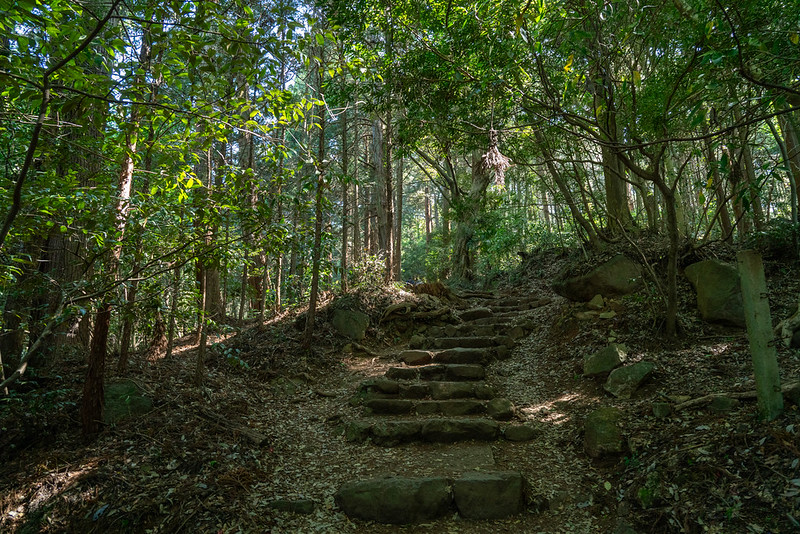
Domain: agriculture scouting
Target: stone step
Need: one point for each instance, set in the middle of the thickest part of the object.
(498, 408)
(452, 373)
(455, 355)
(407, 500)
(389, 433)
(472, 342)
(434, 389)
(490, 321)
(394, 432)
(475, 313)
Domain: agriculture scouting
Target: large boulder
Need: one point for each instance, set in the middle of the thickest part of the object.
(350, 323)
(623, 381)
(602, 435)
(618, 276)
(719, 296)
(488, 495)
(396, 500)
(604, 360)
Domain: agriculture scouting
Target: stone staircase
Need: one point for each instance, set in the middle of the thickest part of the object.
(436, 402)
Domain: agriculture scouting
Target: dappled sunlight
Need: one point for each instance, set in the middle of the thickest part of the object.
(553, 411)
(41, 491)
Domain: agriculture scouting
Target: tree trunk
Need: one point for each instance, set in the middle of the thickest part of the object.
(345, 202)
(173, 307)
(428, 216)
(722, 202)
(577, 216)
(316, 251)
(93, 391)
(398, 223)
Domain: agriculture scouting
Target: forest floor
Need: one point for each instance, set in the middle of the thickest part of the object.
(265, 426)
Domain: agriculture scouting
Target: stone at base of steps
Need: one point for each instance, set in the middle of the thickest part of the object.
(402, 500)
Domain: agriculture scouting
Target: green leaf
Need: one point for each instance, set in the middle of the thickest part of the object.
(320, 39)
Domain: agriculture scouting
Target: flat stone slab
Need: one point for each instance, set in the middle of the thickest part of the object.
(466, 342)
(389, 406)
(453, 430)
(488, 495)
(452, 372)
(451, 390)
(457, 372)
(402, 373)
(462, 356)
(379, 385)
(416, 357)
(461, 407)
(396, 500)
(475, 313)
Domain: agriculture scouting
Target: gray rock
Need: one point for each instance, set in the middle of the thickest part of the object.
(402, 373)
(623, 381)
(521, 432)
(488, 495)
(500, 409)
(380, 385)
(415, 391)
(432, 372)
(124, 399)
(596, 303)
(453, 430)
(391, 433)
(357, 431)
(298, 506)
(604, 360)
(395, 500)
(618, 276)
(484, 391)
(350, 323)
(719, 296)
(602, 435)
(475, 313)
(416, 357)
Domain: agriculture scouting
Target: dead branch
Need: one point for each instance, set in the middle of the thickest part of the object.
(705, 399)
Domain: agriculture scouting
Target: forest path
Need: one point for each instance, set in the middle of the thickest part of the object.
(441, 420)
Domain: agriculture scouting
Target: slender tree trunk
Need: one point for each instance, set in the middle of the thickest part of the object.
(567, 194)
(317, 249)
(398, 223)
(722, 202)
(749, 173)
(202, 331)
(345, 202)
(173, 307)
(792, 145)
(93, 389)
(428, 216)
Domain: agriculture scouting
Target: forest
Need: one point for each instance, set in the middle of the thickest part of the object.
(276, 265)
